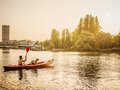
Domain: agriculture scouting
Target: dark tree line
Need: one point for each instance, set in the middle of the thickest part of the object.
(86, 37)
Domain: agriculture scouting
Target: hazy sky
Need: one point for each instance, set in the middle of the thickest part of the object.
(34, 19)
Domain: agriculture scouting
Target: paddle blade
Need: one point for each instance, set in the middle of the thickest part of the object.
(27, 49)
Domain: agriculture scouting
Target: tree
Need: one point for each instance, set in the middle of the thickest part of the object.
(51, 46)
(79, 27)
(97, 26)
(86, 23)
(116, 41)
(103, 40)
(74, 38)
(67, 39)
(63, 39)
(37, 43)
(85, 42)
(92, 25)
(87, 36)
(55, 38)
(46, 43)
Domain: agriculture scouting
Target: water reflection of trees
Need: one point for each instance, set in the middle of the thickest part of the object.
(88, 70)
(92, 67)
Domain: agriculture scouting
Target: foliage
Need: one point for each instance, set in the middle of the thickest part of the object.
(116, 41)
(87, 36)
(85, 42)
(104, 40)
(55, 38)
(37, 43)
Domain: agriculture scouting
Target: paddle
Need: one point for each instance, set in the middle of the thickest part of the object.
(27, 50)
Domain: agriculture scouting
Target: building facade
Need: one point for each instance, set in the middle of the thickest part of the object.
(5, 34)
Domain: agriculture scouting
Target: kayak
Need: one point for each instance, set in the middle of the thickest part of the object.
(27, 66)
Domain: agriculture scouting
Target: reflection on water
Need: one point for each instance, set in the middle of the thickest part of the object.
(5, 50)
(88, 71)
(20, 74)
(70, 71)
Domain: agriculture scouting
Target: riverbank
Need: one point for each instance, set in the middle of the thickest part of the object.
(34, 48)
(117, 50)
(112, 50)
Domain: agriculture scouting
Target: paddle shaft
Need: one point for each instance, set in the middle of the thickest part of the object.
(26, 54)
(27, 49)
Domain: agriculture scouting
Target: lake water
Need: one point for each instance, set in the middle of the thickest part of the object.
(70, 71)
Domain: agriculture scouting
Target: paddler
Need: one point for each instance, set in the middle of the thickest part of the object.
(21, 61)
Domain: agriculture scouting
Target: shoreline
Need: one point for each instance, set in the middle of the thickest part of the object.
(115, 50)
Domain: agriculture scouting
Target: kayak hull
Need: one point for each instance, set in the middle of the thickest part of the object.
(38, 65)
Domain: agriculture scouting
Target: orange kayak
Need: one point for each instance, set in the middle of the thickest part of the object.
(39, 64)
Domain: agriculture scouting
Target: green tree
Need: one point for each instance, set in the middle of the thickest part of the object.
(86, 22)
(37, 43)
(92, 25)
(79, 27)
(97, 26)
(116, 41)
(51, 46)
(74, 38)
(67, 39)
(28, 41)
(55, 38)
(63, 39)
(87, 36)
(46, 43)
(85, 42)
(103, 40)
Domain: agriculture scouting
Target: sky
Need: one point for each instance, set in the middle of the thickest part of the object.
(35, 19)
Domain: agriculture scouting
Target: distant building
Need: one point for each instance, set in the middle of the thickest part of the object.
(5, 34)
(0, 43)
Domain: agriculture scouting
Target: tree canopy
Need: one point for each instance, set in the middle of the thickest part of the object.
(87, 36)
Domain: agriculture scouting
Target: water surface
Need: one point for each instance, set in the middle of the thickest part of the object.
(70, 71)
